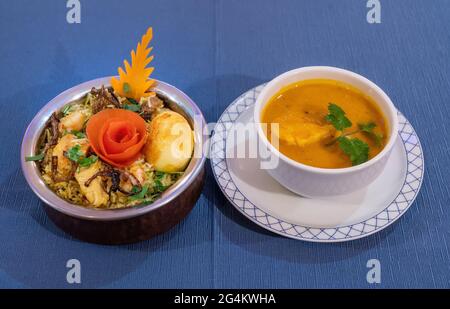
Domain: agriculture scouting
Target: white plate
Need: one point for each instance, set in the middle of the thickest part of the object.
(264, 201)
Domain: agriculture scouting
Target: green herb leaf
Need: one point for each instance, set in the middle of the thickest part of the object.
(336, 116)
(66, 109)
(133, 101)
(78, 134)
(356, 149)
(378, 138)
(159, 175)
(85, 162)
(158, 187)
(367, 128)
(75, 153)
(126, 87)
(38, 157)
(139, 195)
(132, 107)
(135, 189)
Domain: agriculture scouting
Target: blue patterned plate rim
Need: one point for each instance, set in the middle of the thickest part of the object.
(401, 203)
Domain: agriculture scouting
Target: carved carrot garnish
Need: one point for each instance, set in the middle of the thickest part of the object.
(135, 81)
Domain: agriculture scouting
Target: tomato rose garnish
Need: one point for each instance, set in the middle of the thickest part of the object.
(117, 136)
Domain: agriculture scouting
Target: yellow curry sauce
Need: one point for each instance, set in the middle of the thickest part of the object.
(303, 133)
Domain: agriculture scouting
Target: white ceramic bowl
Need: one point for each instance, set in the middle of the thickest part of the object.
(320, 182)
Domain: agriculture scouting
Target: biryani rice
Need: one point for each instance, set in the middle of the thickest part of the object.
(70, 190)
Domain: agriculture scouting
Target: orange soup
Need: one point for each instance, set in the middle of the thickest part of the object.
(310, 122)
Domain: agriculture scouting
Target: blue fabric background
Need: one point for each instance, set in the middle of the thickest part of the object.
(214, 51)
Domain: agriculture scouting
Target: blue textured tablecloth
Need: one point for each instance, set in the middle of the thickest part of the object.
(214, 51)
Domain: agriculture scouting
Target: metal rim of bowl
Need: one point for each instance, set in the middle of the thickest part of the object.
(32, 174)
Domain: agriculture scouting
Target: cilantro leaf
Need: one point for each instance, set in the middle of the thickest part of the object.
(159, 175)
(78, 134)
(139, 195)
(132, 107)
(133, 101)
(85, 162)
(66, 109)
(378, 138)
(336, 116)
(38, 157)
(158, 186)
(356, 149)
(367, 128)
(75, 153)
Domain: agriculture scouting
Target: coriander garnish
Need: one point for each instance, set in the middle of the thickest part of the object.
(38, 157)
(133, 101)
(78, 134)
(368, 129)
(336, 116)
(139, 195)
(356, 149)
(132, 107)
(76, 155)
(85, 162)
(66, 110)
(158, 186)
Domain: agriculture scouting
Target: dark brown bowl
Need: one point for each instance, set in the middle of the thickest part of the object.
(118, 226)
